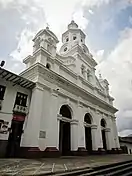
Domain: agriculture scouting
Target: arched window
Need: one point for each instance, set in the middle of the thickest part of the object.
(48, 47)
(65, 111)
(88, 118)
(48, 66)
(82, 69)
(103, 123)
(88, 74)
(67, 39)
(74, 37)
(65, 49)
(84, 50)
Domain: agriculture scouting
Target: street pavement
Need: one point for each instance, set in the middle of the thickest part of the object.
(51, 165)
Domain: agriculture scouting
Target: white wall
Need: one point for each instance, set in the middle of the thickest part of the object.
(129, 146)
(6, 113)
(43, 116)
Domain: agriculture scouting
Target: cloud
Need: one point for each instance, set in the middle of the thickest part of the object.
(24, 47)
(125, 133)
(91, 11)
(117, 68)
(36, 13)
(130, 19)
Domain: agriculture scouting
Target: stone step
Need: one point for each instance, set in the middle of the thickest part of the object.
(128, 173)
(75, 172)
(109, 170)
(105, 169)
(121, 171)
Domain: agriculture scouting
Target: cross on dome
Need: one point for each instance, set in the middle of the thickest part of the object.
(47, 27)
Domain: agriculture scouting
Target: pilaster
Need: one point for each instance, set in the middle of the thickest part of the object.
(99, 132)
(94, 137)
(74, 135)
(81, 131)
(53, 124)
(31, 131)
(117, 145)
(108, 138)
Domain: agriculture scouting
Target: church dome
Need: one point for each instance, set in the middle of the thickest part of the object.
(72, 25)
(48, 31)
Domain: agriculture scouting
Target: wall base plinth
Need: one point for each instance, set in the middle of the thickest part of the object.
(119, 150)
(81, 151)
(101, 151)
(35, 152)
(3, 146)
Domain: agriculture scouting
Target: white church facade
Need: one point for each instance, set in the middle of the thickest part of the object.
(68, 109)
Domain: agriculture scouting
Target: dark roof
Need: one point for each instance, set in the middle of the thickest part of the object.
(16, 79)
(126, 139)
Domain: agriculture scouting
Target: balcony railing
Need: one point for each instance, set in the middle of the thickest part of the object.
(20, 109)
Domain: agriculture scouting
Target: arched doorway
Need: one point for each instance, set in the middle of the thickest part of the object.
(103, 126)
(88, 135)
(65, 131)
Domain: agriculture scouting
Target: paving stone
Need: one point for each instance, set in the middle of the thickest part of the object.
(36, 166)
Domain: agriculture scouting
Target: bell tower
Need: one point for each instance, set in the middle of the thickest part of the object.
(72, 37)
(47, 40)
(44, 48)
(75, 49)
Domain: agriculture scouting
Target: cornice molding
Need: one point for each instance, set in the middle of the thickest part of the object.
(60, 81)
(63, 82)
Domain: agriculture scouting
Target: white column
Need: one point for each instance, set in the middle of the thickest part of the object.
(108, 139)
(32, 128)
(52, 122)
(112, 133)
(81, 130)
(99, 132)
(74, 136)
(116, 134)
(94, 137)
(58, 133)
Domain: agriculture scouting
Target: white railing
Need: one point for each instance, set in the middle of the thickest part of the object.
(21, 109)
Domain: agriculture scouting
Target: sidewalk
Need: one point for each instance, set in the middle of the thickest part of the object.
(48, 165)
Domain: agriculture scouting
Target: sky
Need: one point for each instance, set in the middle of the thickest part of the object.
(107, 24)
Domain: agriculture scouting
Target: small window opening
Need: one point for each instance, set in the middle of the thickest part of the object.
(74, 37)
(48, 66)
(65, 49)
(67, 39)
(84, 50)
(82, 69)
(81, 40)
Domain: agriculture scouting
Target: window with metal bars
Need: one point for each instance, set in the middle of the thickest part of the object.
(21, 99)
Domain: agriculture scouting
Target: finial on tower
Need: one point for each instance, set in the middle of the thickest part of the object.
(72, 25)
(47, 27)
